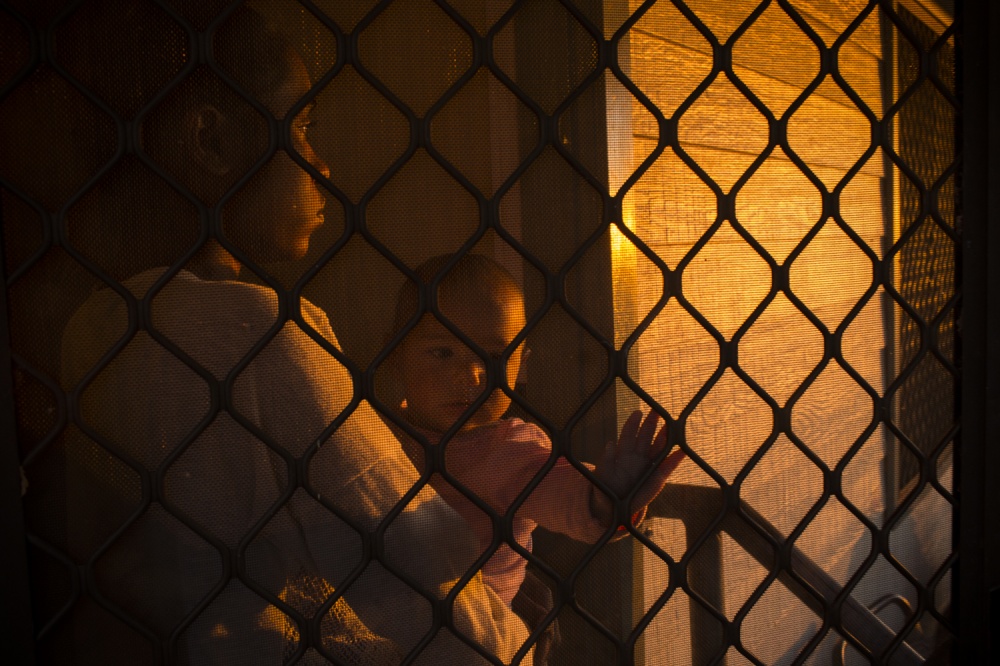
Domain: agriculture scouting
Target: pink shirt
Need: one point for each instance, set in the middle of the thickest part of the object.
(497, 462)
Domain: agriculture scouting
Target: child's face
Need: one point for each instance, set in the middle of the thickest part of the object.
(442, 377)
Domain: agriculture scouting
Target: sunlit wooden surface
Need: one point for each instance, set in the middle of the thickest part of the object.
(672, 209)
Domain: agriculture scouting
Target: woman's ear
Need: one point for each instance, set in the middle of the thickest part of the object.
(205, 140)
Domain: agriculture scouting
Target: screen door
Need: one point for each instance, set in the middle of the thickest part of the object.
(226, 224)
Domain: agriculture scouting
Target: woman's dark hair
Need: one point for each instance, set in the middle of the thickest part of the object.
(256, 56)
(254, 53)
(133, 221)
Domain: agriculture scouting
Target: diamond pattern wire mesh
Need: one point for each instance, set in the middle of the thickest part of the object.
(555, 66)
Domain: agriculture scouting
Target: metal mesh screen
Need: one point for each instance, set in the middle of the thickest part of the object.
(217, 220)
(927, 262)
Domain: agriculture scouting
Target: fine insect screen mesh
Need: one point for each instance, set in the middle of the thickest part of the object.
(324, 313)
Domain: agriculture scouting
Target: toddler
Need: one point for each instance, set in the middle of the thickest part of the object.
(496, 457)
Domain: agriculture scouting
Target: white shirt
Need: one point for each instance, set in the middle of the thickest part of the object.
(147, 401)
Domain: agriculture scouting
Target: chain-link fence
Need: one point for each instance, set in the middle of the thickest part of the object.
(226, 228)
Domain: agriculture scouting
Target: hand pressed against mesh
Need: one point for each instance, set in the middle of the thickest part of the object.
(625, 462)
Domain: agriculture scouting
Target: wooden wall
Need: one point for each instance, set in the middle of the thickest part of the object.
(671, 209)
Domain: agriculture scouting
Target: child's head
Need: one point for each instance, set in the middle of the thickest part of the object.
(440, 375)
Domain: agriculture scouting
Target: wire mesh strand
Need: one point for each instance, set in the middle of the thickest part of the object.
(550, 63)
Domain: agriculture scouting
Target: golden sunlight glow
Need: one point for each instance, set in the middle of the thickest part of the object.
(624, 276)
(727, 279)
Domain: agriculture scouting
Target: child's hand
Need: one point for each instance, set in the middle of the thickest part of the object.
(624, 463)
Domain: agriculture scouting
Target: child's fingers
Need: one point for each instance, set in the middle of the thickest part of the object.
(660, 443)
(659, 478)
(655, 483)
(670, 463)
(608, 458)
(645, 435)
(627, 438)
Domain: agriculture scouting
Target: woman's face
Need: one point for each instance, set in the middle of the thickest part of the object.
(279, 209)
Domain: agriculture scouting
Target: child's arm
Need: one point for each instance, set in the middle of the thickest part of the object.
(497, 462)
(626, 461)
(565, 501)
